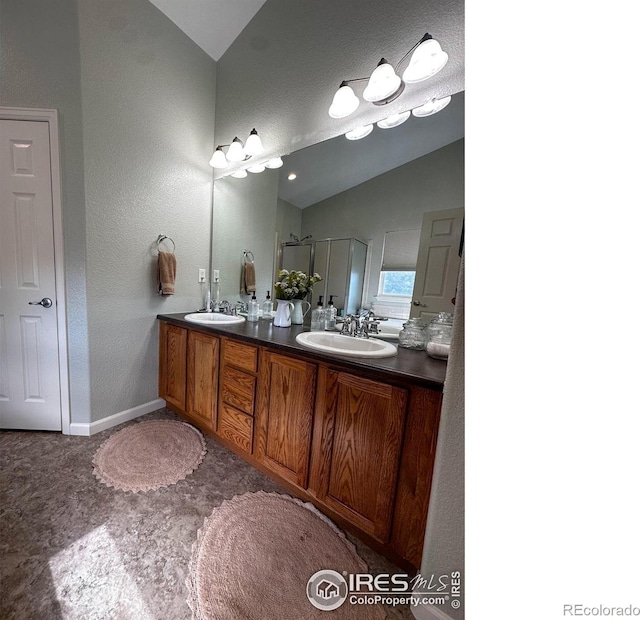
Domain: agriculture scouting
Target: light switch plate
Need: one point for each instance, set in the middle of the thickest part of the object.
(216, 274)
(202, 275)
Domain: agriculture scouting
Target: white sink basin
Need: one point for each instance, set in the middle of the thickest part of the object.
(213, 318)
(328, 342)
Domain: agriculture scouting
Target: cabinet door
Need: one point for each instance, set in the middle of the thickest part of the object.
(202, 377)
(361, 438)
(173, 366)
(284, 416)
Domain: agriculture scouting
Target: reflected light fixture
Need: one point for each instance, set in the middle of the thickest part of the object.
(276, 162)
(240, 174)
(385, 85)
(292, 176)
(236, 151)
(256, 168)
(359, 133)
(432, 107)
(394, 120)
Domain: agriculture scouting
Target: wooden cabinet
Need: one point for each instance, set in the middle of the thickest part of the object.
(284, 416)
(361, 448)
(238, 377)
(357, 448)
(172, 382)
(202, 377)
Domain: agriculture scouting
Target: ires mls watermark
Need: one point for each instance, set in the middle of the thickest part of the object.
(327, 589)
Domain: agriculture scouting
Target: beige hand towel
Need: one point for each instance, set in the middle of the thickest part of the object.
(166, 273)
(248, 284)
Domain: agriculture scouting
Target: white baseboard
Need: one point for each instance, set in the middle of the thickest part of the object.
(428, 612)
(88, 429)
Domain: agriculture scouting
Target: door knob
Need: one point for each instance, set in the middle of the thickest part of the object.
(416, 303)
(45, 302)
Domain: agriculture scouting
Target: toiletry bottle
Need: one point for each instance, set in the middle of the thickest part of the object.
(215, 302)
(207, 300)
(318, 317)
(267, 308)
(330, 315)
(252, 314)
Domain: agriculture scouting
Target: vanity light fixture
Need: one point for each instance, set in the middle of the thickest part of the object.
(240, 174)
(394, 120)
(432, 106)
(276, 162)
(236, 151)
(256, 168)
(359, 133)
(385, 85)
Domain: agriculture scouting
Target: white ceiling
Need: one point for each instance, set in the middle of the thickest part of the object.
(212, 24)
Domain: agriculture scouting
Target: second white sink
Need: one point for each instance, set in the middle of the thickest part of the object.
(213, 318)
(328, 342)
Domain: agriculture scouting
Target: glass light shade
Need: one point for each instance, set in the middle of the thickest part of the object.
(256, 168)
(235, 152)
(394, 120)
(382, 84)
(359, 133)
(254, 144)
(432, 106)
(218, 160)
(427, 60)
(344, 102)
(276, 162)
(240, 174)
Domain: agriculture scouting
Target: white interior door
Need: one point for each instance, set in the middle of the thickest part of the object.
(438, 263)
(29, 366)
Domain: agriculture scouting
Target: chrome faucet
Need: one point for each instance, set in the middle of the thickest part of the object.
(359, 326)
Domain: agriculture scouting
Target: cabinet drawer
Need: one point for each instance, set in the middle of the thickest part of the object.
(236, 427)
(240, 355)
(238, 389)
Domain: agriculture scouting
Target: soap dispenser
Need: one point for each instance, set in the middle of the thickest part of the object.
(253, 312)
(318, 317)
(267, 308)
(330, 315)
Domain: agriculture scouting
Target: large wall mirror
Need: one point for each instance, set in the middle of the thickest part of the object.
(365, 190)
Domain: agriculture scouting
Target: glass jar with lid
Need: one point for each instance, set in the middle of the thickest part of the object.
(439, 336)
(413, 335)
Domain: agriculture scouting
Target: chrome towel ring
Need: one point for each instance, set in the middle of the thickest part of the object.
(162, 238)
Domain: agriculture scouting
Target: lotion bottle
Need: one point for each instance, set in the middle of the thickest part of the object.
(267, 308)
(330, 315)
(318, 317)
(252, 314)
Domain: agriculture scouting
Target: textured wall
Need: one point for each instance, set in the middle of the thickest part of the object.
(40, 62)
(148, 115)
(288, 220)
(244, 218)
(395, 200)
(282, 71)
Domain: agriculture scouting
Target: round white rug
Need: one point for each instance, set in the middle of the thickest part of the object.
(149, 455)
(255, 555)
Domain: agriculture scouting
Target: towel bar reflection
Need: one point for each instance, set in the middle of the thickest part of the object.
(162, 238)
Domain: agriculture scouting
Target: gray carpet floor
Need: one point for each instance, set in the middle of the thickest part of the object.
(73, 548)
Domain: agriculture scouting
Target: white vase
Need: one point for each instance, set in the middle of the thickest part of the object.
(283, 313)
(297, 314)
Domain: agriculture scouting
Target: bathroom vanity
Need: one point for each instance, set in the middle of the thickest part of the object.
(355, 437)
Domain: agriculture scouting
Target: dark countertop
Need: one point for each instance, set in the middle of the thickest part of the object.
(414, 366)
